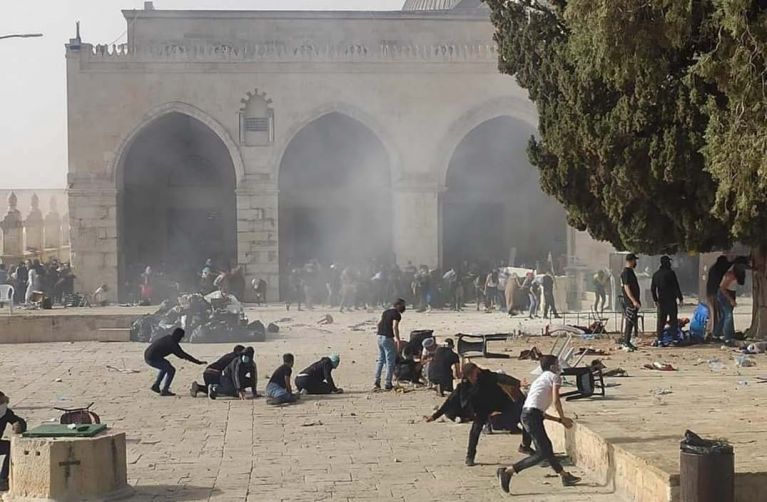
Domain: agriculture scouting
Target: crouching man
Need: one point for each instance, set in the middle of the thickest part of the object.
(278, 389)
(7, 416)
(237, 377)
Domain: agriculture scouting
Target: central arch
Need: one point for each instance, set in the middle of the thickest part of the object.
(334, 195)
(176, 202)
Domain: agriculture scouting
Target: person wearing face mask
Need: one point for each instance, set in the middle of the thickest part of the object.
(543, 392)
(388, 341)
(318, 378)
(237, 377)
(7, 416)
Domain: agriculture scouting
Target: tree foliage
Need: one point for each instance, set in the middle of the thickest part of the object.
(652, 115)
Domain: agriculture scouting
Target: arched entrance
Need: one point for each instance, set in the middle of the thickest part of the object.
(334, 195)
(493, 210)
(176, 202)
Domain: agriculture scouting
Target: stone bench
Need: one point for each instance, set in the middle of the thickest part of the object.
(68, 469)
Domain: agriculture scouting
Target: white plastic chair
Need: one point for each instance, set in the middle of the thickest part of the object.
(6, 296)
(564, 353)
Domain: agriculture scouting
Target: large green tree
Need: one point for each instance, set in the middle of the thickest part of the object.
(652, 119)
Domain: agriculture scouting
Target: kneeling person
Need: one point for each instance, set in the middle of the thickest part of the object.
(278, 389)
(212, 374)
(318, 378)
(444, 367)
(237, 376)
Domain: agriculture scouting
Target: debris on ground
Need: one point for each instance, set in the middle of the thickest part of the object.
(617, 372)
(326, 319)
(657, 366)
(743, 361)
(311, 424)
(661, 392)
(122, 370)
(361, 326)
(534, 354)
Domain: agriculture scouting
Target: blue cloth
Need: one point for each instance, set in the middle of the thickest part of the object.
(387, 354)
(276, 391)
(699, 321)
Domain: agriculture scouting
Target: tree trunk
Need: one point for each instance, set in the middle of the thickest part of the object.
(759, 277)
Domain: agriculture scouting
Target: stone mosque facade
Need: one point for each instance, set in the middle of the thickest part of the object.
(268, 138)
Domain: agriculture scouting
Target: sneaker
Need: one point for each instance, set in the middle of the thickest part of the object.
(155, 389)
(167, 393)
(470, 462)
(377, 386)
(389, 387)
(504, 478)
(303, 392)
(569, 480)
(628, 347)
(272, 401)
(212, 393)
(194, 389)
(526, 450)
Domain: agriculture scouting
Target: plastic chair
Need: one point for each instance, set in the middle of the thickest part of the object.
(6, 296)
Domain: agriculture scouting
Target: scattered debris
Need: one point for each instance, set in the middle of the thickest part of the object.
(617, 372)
(661, 392)
(122, 370)
(659, 366)
(326, 319)
(272, 328)
(715, 364)
(311, 424)
(743, 361)
(57, 380)
(533, 354)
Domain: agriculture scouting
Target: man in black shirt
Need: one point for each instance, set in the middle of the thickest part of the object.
(7, 416)
(631, 300)
(155, 356)
(549, 304)
(492, 393)
(278, 389)
(388, 340)
(212, 374)
(443, 367)
(666, 293)
(238, 375)
(318, 378)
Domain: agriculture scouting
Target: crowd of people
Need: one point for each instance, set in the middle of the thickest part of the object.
(34, 281)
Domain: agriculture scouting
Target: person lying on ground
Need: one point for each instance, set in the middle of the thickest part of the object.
(155, 356)
(318, 378)
(237, 377)
(212, 374)
(444, 367)
(278, 389)
(491, 394)
(7, 416)
(457, 406)
(543, 391)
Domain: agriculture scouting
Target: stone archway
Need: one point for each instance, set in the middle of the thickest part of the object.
(176, 201)
(493, 210)
(334, 195)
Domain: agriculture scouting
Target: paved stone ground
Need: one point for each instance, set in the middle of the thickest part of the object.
(362, 446)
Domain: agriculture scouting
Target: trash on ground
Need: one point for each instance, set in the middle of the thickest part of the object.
(657, 366)
(617, 372)
(312, 424)
(743, 361)
(122, 370)
(661, 392)
(715, 364)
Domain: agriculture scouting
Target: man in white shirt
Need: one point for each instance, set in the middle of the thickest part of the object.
(543, 391)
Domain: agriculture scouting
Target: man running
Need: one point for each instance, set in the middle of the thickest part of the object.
(543, 391)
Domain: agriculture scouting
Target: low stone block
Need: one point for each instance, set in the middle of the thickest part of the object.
(68, 469)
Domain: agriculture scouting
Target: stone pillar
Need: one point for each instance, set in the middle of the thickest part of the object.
(52, 234)
(416, 222)
(33, 227)
(13, 246)
(93, 220)
(257, 235)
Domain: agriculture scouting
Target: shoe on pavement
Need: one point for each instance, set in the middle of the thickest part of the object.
(569, 480)
(194, 389)
(377, 386)
(167, 393)
(212, 393)
(273, 401)
(526, 450)
(388, 387)
(470, 462)
(155, 389)
(504, 478)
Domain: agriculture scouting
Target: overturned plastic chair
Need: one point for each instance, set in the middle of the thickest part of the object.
(6, 296)
(564, 352)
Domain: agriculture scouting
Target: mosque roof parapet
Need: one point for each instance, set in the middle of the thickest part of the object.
(190, 51)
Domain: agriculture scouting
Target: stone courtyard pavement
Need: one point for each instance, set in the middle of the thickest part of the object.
(356, 446)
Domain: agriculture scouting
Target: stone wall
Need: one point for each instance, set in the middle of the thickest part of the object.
(29, 232)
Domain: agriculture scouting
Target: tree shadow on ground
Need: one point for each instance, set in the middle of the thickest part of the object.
(173, 492)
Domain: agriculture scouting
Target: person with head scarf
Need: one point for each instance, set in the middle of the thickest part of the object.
(239, 375)
(212, 374)
(318, 378)
(7, 416)
(155, 356)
